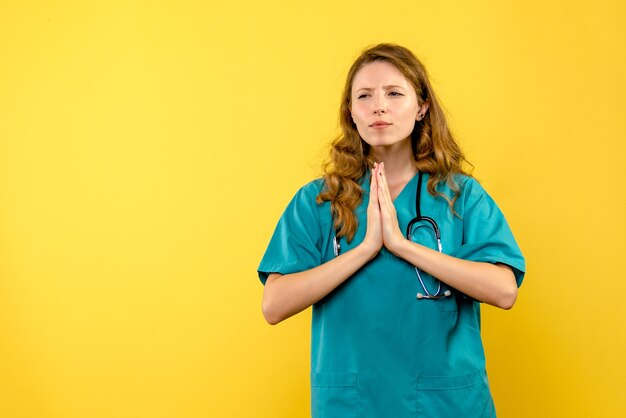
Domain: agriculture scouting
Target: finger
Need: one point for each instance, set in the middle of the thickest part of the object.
(382, 198)
(386, 185)
(383, 189)
(374, 186)
(377, 177)
(387, 209)
(373, 180)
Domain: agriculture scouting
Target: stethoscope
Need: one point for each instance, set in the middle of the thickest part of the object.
(438, 294)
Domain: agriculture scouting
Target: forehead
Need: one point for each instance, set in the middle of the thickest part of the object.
(379, 73)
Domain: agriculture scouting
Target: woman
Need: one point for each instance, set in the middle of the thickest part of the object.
(396, 315)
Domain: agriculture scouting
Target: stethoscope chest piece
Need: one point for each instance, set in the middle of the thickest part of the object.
(336, 245)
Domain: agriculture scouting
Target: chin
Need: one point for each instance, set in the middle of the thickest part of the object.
(380, 143)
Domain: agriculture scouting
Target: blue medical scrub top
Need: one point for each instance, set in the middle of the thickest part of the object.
(376, 350)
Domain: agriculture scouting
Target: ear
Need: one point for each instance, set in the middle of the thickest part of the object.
(422, 111)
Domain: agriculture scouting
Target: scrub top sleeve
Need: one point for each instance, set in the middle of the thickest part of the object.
(487, 236)
(297, 240)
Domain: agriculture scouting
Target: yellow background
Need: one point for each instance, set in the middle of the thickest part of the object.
(147, 150)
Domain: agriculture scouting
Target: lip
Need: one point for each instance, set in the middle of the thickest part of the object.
(379, 124)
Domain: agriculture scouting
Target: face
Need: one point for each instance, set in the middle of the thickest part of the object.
(384, 105)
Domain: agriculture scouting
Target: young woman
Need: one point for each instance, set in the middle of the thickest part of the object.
(395, 248)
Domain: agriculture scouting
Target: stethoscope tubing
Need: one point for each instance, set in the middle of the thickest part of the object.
(435, 228)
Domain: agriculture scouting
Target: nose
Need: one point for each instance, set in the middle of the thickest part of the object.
(380, 105)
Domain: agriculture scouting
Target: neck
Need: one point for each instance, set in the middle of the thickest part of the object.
(398, 159)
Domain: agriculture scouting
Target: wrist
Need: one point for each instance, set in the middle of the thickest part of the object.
(399, 246)
(367, 250)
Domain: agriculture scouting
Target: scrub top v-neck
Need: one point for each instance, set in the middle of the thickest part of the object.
(376, 350)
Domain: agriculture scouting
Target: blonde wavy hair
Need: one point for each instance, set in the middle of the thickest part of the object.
(434, 149)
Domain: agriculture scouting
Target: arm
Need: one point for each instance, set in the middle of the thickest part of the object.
(287, 295)
(486, 282)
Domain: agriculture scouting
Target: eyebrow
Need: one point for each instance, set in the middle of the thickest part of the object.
(387, 87)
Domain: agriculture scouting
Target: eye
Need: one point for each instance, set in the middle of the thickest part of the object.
(360, 96)
(395, 93)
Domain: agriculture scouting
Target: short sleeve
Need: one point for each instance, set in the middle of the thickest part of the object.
(297, 240)
(487, 236)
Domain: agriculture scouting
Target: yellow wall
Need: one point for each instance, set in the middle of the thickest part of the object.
(148, 148)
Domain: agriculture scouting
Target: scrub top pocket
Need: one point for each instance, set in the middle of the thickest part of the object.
(465, 396)
(334, 395)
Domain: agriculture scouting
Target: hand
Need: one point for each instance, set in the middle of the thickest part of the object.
(392, 236)
(373, 240)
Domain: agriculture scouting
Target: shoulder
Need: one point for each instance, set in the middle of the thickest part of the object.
(314, 187)
(472, 193)
(308, 193)
(305, 198)
(469, 185)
